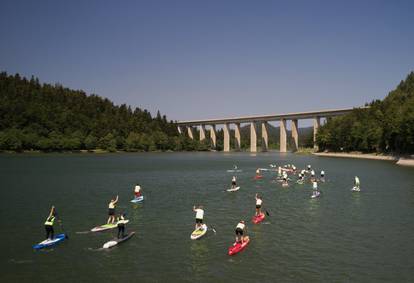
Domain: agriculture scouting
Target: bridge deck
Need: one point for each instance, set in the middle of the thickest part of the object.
(263, 118)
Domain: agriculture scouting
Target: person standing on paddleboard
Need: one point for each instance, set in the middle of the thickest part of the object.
(111, 210)
(199, 216)
(258, 204)
(322, 176)
(50, 233)
(240, 229)
(121, 225)
(137, 191)
(356, 183)
(233, 182)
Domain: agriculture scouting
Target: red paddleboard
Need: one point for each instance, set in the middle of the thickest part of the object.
(258, 177)
(258, 218)
(238, 247)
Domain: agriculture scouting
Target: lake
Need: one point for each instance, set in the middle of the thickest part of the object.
(340, 237)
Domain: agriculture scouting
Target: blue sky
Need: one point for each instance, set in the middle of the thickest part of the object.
(207, 59)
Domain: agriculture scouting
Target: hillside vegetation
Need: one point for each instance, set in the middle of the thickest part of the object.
(47, 117)
(386, 127)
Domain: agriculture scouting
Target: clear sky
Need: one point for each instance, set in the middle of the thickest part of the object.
(208, 59)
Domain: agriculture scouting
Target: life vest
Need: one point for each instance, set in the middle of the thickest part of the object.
(240, 226)
(50, 220)
(121, 220)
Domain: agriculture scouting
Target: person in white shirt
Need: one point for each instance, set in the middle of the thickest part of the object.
(199, 216)
(240, 229)
(233, 182)
(259, 202)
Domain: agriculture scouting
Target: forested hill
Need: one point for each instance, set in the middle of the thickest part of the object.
(36, 116)
(386, 127)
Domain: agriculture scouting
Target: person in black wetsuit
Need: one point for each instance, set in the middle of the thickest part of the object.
(50, 233)
(121, 225)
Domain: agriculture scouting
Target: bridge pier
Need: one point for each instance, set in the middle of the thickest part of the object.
(253, 137)
(226, 130)
(265, 138)
(237, 136)
(283, 135)
(180, 130)
(202, 132)
(295, 134)
(190, 132)
(213, 136)
(316, 125)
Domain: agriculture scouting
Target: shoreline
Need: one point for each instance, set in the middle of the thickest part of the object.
(403, 161)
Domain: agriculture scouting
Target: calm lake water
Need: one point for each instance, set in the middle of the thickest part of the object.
(340, 237)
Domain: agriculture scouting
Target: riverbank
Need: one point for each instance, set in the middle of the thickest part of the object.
(404, 161)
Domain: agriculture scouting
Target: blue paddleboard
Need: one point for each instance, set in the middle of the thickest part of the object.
(48, 243)
(138, 199)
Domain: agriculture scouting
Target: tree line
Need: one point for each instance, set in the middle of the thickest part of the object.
(35, 116)
(387, 126)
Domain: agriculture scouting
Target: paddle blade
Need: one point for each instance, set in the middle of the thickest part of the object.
(267, 213)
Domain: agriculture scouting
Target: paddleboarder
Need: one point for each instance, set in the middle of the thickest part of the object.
(258, 204)
(111, 210)
(233, 182)
(240, 230)
(356, 183)
(121, 223)
(322, 176)
(199, 216)
(50, 233)
(137, 191)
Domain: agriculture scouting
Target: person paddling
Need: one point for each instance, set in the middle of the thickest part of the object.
(233, 182)
(111, 210)
(356, 183)
(240, 229)
(137, 191)
(199, 216)
(259, 202)
(50, 233)
(121, 223)
(322, 176)
(315, 188)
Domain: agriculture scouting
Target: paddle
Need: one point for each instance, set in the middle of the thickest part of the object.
(267, 213)
(212, 228)
(63, 230)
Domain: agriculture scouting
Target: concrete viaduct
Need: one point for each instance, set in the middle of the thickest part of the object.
(263, 122)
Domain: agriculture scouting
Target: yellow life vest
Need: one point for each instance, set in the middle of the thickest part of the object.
(50, 220)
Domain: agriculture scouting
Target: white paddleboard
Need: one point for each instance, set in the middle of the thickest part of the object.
(356, 189)
(318, 194)
(233, 190)
(198, 233)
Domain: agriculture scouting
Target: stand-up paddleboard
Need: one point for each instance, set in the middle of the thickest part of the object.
(316, 195)
(116, 242)
(48, 243)
(235, 170)
(258, 218)
(138, 199)
(198, 233)
(258, 177)
(238, 247)
(285, 184)
(300, 182)
(356, 189)
(105, 227)
(233, 190)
